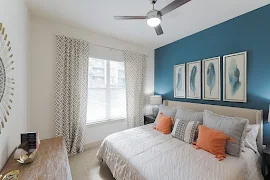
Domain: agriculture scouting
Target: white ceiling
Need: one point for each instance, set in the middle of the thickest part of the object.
(97, 16)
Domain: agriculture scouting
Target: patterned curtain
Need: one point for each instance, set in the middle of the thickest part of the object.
(71, 91)
(135, 69)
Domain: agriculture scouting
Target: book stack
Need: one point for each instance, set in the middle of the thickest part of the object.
(32, 139)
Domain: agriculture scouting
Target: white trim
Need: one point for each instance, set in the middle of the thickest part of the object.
(174, 80)
(105, 121)
(108, 88)
(219, 78)
(187, 80)
(245, 77)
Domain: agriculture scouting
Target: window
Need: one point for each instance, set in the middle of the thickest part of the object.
(106, 90)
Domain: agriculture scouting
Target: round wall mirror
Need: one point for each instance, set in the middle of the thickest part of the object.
(2, 79)
(7, 83)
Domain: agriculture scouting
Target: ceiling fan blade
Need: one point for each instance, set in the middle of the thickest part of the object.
(159, 30)
(175, 4)
(128, 17)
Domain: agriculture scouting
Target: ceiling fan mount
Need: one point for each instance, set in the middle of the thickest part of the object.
(153, 1)
(154, 17)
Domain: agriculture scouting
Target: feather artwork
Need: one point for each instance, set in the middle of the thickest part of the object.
(192, 81)
(234, 75)
(179, 80)
(211, 76)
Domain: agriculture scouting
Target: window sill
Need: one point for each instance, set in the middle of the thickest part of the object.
(105, 121)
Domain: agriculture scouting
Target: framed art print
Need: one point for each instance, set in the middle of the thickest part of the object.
(211, 79)
(180, 81)
(235, 77)
(193, 80)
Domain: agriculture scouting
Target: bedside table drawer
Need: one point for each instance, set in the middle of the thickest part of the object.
(267, 160)
(148, 119)
(148, 122)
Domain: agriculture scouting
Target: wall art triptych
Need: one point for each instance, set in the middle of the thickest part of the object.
(211, 79)
(235, 77)
(187, 79)
(194, 80)
(180, 81)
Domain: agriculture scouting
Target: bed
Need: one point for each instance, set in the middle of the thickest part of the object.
(145, 154)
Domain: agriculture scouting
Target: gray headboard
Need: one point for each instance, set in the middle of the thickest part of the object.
(254, 116)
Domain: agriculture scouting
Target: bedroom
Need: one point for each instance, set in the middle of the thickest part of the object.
(56, 97)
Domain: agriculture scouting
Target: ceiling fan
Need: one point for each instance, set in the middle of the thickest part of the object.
(154, 16)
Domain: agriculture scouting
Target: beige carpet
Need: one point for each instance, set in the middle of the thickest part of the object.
(85, 166)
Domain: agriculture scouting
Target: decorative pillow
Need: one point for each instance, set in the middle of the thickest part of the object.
(231, 126)
(212, 141)
(167, 111)
(185, 130)
(164, 124)
(189, 115)
(251, 136)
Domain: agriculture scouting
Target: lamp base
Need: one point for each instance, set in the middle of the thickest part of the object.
(155, 110)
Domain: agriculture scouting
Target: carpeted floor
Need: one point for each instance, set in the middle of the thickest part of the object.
(85, 166)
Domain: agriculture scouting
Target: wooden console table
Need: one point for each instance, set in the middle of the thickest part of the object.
(51, 163)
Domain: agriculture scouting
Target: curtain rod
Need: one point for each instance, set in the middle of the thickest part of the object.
(107, 47)
(101, 45)
(97, 44)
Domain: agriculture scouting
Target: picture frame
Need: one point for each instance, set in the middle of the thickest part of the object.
(235, 77)
(193, 80)
(211, 79)
(180, 81)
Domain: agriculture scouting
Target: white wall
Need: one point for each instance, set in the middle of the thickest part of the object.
(43, 56)
(14, 16)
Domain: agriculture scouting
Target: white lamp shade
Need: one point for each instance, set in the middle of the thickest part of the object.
(155, 100)
(269, 114)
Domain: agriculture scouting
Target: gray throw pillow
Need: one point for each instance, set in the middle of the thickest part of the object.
(231, 126)
(166, 111)
(189, 115)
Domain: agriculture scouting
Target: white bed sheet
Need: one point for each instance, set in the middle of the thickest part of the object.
(146, 154)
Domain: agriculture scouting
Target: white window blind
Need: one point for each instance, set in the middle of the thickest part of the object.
(106, 91)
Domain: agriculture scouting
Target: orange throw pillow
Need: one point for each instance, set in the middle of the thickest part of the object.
(212, 141)
(164, 124)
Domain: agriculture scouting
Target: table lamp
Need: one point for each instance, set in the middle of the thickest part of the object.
(155, 101)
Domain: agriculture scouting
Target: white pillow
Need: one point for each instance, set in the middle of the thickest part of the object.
(251, 136)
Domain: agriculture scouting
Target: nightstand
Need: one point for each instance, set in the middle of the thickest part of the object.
(148, 119)
(266, 162)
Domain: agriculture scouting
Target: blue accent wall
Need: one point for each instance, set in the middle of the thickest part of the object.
(249, 32)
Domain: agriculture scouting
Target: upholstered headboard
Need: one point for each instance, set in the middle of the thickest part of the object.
(254, 116)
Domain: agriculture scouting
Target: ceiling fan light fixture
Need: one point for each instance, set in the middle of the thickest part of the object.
(153, 18)
(153, 22)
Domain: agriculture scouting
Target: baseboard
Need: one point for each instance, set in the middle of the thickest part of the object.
(92, 145)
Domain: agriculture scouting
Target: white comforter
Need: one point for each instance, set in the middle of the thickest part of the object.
(143, 153)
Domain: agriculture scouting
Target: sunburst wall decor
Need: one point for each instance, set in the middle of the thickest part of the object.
(7, 82)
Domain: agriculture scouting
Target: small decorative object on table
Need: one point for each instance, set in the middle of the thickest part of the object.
(148, 119)
(155, 100)
(32, 138)
(25, 159)
(23, 149)
(13, 175)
